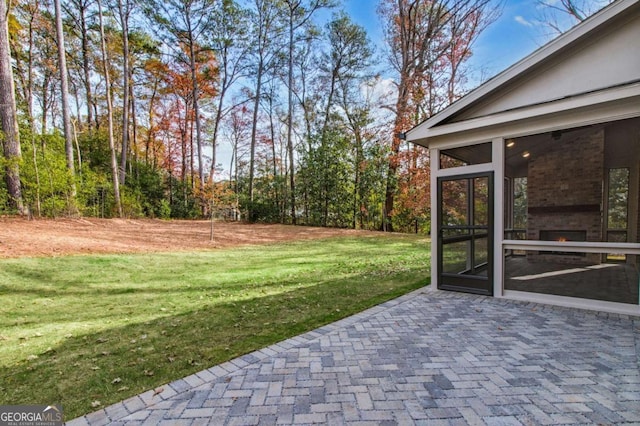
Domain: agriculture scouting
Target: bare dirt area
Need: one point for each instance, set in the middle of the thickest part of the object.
(59, 237)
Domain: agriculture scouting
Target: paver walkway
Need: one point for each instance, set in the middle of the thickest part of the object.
(425, 358)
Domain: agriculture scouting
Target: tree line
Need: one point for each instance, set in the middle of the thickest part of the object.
(119, 108)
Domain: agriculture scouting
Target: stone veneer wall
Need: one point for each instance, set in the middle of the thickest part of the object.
(561, 182)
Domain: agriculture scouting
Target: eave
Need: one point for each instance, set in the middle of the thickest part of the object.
(626, 96)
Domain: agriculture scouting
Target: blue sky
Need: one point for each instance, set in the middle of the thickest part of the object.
(514, 35)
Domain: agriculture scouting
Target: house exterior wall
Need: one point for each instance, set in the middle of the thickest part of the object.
(587, 78)
(605, 59)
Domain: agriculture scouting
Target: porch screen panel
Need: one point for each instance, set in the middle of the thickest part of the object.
(465, 224)
(456, 217)
(617, 209)
(558, 273)
(465, 156)
(577, 188)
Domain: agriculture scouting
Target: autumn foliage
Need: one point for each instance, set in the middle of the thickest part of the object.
(248, 109)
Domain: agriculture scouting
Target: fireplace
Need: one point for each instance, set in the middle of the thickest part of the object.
(563, 236)
(564, 196)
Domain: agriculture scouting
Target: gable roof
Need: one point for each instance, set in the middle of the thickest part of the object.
(500, 93)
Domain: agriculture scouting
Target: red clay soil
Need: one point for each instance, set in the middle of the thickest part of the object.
(22, 237)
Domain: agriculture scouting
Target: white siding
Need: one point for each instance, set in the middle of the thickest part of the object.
(606, 59)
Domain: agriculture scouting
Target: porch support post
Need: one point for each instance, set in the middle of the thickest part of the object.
(434, 157)
(497, 157)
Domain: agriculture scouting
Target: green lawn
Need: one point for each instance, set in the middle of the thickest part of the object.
(81, 329)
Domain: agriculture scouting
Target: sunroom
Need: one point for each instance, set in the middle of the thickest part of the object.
(535, 175)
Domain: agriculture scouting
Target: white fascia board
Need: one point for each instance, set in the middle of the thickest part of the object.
(547, 108)
(538, 56)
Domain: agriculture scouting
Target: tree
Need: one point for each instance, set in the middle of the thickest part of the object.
(560, 15)
(187, 23)
(238, 124)
(125, 8)
(81, 9)
(8, 118)
(298, 14)
(265, 32)
(145, 53)
(31, 14)
(345, 63)
(115, 178)
(358, 104)
(310, 129)
(229, 41)
(418, 34)
(66, 117)
(348, 57)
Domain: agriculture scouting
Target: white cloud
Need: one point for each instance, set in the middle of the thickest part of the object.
(379, 88)
(522, 21)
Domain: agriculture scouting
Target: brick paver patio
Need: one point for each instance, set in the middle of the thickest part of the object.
(425, 358)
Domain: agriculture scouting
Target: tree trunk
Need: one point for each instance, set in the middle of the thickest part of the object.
(45, 103)
(272, 131)
(192, 170)
(254, 128)
(150, 143)
(8, 118)
(183, 146)
(323, 141)
(290, 125)
(124, 20)
(112, 146)
(85, 66)
(216, 127)
(196, 105)
(357, 196)
(29, 100)
(64, 83)
(134, 128)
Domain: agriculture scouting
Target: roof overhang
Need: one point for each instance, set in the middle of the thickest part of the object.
(627, 97)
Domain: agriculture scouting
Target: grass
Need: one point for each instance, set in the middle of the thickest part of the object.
(88, 331)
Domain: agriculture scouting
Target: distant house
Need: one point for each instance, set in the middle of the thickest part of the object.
(535, 175)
